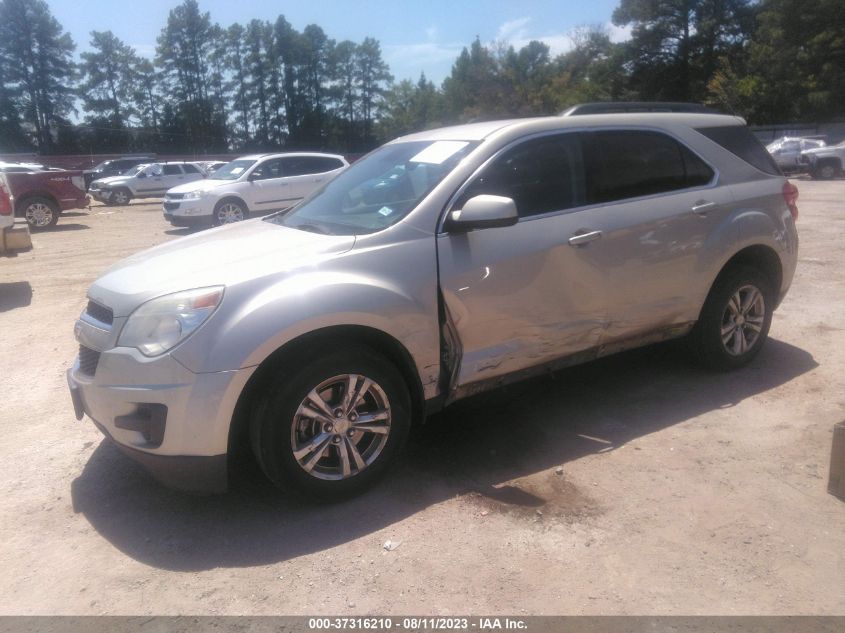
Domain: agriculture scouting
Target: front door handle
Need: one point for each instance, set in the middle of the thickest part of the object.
(584, 238)
(702, 207)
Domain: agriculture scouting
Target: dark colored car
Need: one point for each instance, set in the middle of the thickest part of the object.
(113, 167)
(41, 196)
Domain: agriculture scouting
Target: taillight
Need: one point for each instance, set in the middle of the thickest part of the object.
(790, 194)
(5, 202)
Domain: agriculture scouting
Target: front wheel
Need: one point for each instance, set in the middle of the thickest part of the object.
(333, 425)
(825, 171)
(120, 197)
(735, 320)
(229, 211)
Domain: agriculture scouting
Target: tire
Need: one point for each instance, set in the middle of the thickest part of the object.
(229, 211)
(120, 197)
(735, 320)
(39, 212)
(825, 171)
(308, 440)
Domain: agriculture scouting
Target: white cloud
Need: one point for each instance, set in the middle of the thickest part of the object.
(423, 52)
(517, 33)
(513, 29)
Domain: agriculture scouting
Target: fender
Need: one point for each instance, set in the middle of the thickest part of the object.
(259, 323)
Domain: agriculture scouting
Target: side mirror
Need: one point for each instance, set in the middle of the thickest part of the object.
(483, 212)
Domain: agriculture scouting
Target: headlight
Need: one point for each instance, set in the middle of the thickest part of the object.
(162, 323)
(194, 195)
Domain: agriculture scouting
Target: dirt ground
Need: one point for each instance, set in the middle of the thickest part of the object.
(638, 484)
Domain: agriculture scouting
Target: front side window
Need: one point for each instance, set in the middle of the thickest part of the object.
(632, 163)
(190, 169)
(540, 175)
(378, 190)
(269, 169)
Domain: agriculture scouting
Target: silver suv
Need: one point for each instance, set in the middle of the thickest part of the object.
(441, 265)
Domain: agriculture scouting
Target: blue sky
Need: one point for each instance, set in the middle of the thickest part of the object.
(415, 36)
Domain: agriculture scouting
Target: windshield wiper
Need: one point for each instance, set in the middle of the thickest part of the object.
(312, 228)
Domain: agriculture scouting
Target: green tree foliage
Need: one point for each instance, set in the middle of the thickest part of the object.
(37, 68)
(676, 45)
(794, 69)
(265, 85)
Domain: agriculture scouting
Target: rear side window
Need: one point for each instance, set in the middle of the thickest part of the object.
(319, 164)
(540, 175)
(739, 140)
(172, 170)
(190, 169)
(632, 163)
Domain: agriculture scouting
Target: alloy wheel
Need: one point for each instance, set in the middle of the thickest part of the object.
(341, 427)
(229, 212)
(39, 214)
(742, 320)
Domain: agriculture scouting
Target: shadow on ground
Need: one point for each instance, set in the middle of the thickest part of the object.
(475, 447)
(17, 294)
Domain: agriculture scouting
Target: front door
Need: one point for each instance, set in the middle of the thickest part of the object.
(524, 295)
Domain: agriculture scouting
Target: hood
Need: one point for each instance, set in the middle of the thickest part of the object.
(225, 256)
(819, 150)
(111, 180)
(200, 185)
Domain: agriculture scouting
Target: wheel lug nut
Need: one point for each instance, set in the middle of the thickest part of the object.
(338, 413)
(353, 416)
(328, 428)
(350, 432)
(336, 439)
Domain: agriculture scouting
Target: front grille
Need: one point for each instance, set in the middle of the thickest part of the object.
(100, 313)
(170, 206)
(175, 196)
(88, 360)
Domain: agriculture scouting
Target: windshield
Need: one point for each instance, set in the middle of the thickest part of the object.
(233, 170)
(377, 191)
(133, 171)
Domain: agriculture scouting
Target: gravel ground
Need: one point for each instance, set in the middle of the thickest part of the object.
(638, 484)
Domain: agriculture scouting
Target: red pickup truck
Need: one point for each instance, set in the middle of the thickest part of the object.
(41, 196)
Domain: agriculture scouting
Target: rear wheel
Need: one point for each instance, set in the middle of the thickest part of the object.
(229, 211)
(333, 425)
(40, 213)
(735, 320)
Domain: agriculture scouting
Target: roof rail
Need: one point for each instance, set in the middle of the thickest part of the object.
(619, 107)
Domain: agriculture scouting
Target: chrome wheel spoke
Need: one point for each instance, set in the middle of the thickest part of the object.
(345, 468)
(733, 305)
(358, 396)
(753, 326)
(313, 451)
(376, 422)
(360, 464)
(316, 401)
(751, 298)
(728, 335)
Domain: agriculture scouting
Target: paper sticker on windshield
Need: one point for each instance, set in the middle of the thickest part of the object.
(385, 211)
(236, 170)
(438, 152)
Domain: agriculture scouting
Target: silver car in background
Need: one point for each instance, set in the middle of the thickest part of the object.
(442, 265)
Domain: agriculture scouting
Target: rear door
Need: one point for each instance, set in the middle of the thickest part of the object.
(654, 203)
(307, 173)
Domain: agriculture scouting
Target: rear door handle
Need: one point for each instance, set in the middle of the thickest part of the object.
(584, 238)
(702, 207)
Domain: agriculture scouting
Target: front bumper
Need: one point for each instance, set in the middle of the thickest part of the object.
(188, 212)
(173, 421)
(103, 195)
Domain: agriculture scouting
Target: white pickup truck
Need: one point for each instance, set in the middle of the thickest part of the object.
(825, 163)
